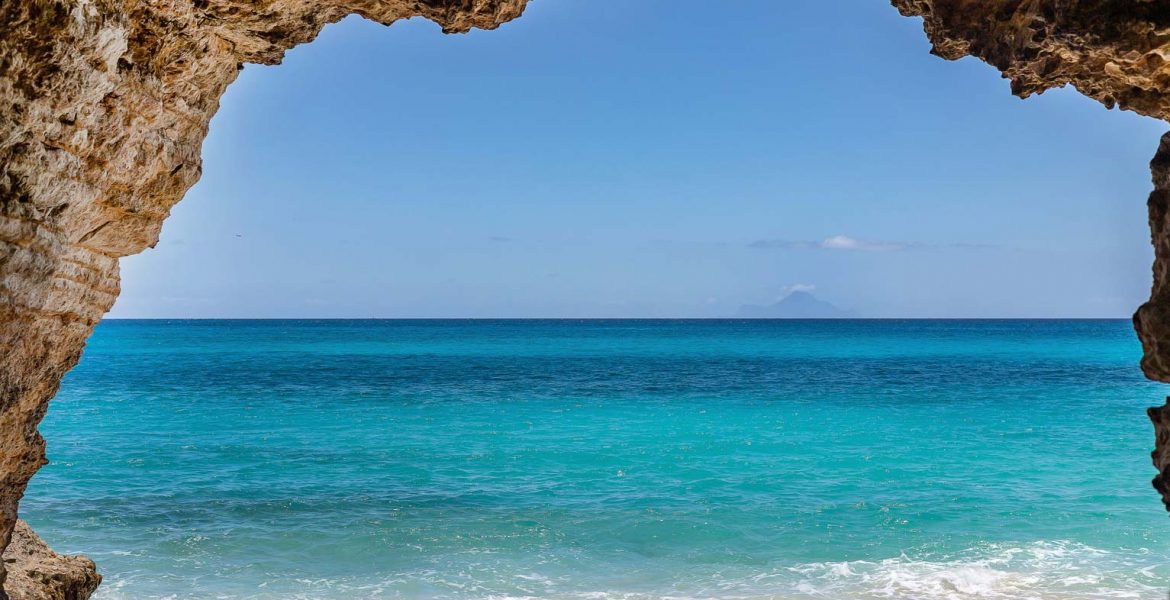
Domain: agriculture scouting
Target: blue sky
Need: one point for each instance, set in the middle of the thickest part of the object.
(651, 159)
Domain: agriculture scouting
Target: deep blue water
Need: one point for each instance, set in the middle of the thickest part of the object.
(607, 459)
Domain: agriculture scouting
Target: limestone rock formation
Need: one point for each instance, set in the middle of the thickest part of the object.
(104, 105)
(1115, 51)
(1152, 320)
(35, 572)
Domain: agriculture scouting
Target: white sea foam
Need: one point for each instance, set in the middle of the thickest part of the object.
(1042, 570)
(1055, 570)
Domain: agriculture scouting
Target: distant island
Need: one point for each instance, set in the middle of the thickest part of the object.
(796, 305)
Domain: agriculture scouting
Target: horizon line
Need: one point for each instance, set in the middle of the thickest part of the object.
(616, 319)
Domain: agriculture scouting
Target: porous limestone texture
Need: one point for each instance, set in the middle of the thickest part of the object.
(1151, 320)
(35, 572)
(104, 105)
(1114, 51)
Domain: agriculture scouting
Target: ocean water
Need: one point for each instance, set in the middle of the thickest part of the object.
(607, 459)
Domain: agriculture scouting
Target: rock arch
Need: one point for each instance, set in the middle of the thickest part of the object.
(104, 105)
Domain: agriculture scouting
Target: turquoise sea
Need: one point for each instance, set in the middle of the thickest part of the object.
(607, 459)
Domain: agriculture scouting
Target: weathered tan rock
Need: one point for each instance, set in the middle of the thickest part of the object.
(104, 105)
(1115, 51)
(35, 572)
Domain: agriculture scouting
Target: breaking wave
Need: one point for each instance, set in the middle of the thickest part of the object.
(1050, 570)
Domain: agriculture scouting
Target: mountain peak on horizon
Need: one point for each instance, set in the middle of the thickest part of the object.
(798, 304)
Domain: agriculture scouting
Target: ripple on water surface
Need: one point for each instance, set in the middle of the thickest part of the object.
(607, 459)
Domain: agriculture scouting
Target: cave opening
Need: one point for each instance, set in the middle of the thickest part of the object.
(502, 144)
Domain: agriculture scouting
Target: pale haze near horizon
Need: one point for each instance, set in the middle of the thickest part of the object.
(654, 159)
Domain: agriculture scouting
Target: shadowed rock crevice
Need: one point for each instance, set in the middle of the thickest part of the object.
(104, 105)
(1152, 320)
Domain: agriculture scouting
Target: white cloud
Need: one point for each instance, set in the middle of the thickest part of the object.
(844, 242)
(836, 242)
(799, 287)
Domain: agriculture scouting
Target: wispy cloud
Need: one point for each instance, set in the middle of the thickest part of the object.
(799, 287)
(836, 242)
(844, 242)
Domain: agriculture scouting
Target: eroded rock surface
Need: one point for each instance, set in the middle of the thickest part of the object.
(104, 105)
(1115, 51)
(1152, 320)
(35, 572)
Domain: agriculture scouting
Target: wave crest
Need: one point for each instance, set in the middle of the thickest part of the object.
(1047, 570)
